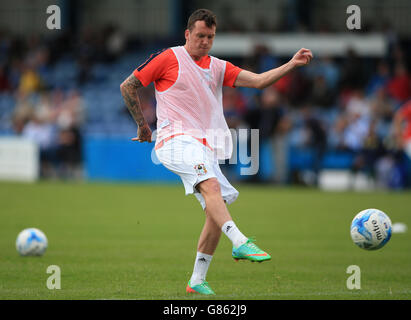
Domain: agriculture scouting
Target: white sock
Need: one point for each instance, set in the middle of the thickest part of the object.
(234, 234)
(200, 268)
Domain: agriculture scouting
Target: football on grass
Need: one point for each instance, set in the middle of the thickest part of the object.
(371, 229)
(31, 242)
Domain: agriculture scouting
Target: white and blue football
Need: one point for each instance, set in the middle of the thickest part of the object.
(31, 242)
(371, 229)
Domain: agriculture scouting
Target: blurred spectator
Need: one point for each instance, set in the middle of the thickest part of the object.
(315, 138)
(283, 85)
(336, 133)
(234, 107)
(355, 133)
(251, 97)
(70, 118)
(352, 124)
(358, 105)
(14, 72)
(322, 95)
(69, 153)
(270, 113)
(379, 79)
(371, 151)
(397, 55)
(22, 114)
(70, 112)
(381, 106)
(30, 81)
(5, 84)
(327, 68)
(263, 59)
(43, 108)
(115, 43)
(298, 86)
(44, 133)
(388, 173)
(352, 71)
(86, 52)
(402, 128)
(274, 126)
(391, 37)
(399, 86)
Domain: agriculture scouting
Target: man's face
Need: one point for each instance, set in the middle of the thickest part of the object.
(200, 39)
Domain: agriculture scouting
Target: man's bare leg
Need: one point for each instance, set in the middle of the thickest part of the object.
(218, 220)
(209, 237)
(216, 216)
(216, 208)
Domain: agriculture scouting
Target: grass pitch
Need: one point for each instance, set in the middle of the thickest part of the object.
(124, 241)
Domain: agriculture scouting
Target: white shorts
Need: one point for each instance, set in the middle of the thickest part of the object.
(194, 162)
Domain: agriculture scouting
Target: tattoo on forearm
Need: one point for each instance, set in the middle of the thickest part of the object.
(129, 91)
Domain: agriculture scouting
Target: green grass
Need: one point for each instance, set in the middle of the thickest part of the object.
(124, 241)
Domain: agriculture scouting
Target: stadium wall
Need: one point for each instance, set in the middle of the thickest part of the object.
(120, 159)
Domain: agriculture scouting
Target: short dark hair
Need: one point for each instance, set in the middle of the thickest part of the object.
(205, 15)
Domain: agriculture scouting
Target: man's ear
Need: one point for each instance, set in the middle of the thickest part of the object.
(186, 33)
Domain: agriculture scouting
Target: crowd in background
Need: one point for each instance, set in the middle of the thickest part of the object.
(341, 104)
(344, 105)
(50, 116)
(53, 119)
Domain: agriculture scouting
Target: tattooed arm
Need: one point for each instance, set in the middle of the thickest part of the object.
(129, 91)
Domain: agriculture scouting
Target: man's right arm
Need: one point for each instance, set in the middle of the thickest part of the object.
(129, 92)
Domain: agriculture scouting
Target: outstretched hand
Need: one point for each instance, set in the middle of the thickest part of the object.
(143, 134)
(302, 58)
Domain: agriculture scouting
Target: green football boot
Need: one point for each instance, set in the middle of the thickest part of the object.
(250, 251)
(202, 288)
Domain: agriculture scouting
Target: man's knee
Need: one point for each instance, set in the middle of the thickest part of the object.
(209, 187)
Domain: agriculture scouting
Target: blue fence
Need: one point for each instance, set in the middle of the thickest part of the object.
(120, 159)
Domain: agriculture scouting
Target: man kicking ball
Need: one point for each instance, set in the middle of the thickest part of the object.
(192, 134)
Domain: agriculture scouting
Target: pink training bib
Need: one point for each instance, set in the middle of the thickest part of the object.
(193, 104)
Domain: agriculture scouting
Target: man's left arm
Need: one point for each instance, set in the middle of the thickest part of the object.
(262, 80)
